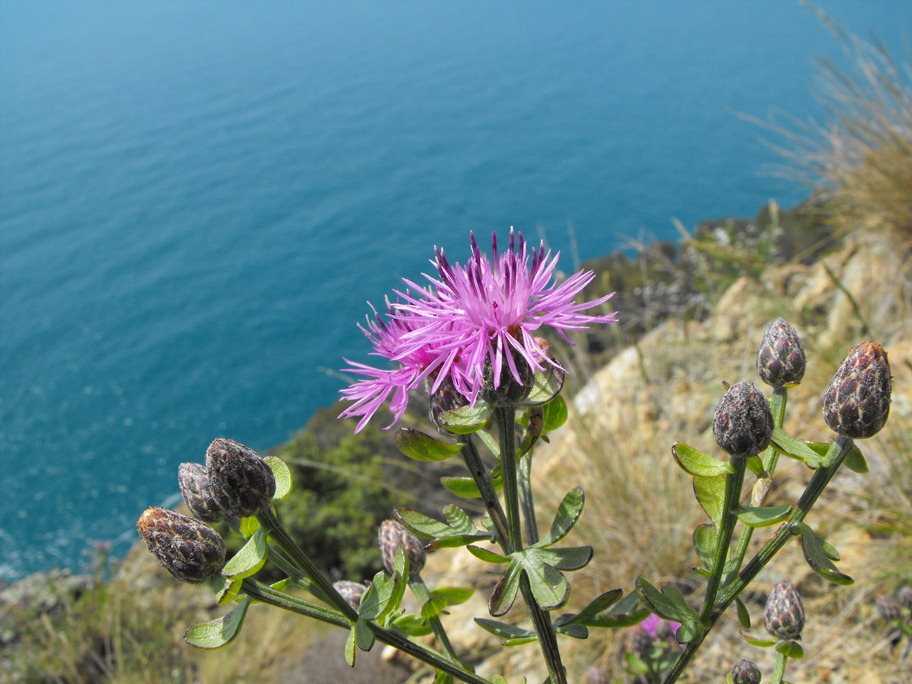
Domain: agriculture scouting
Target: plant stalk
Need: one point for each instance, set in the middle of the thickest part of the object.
(421, 592)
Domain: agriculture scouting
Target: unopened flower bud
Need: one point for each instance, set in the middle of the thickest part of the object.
(743, 424)
(857, 401)
(780, 360)
(446, 398)
(784, 613)
(745, 672)
(196, 491)
(507, 390)
(904, 596)
(189, 549)
(391, 537)
(242, 482)
(888, 608)
(350, 591)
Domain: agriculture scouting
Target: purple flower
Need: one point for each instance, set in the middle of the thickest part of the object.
(486, 312)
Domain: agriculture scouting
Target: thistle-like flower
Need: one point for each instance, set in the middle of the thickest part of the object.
(393, 536)
(193, 479)
(743, 424)
(472, 324)
(783, 616)
(188, 548)
(856, 403)
(781, 360)
(745, 672)
(242, 483)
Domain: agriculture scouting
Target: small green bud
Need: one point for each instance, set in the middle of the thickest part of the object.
(856, 403)
(745, 672)
(392, 536)
(196, 491)
(743, 424)
(781, 360)
(187, 548)
(783, 616)
(242, 482)
(350, 591)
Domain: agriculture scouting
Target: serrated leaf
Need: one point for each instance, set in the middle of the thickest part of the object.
(554, 414)
(221, 631)
(743, 616)
(250, 558)
(794, 448)
(504, 630)
(486, 555)
(790, 649)
(454, 595)
(705, 538)
(813, 548)
(761, 516)
(467, 419)
(282, 477)
(569, 511)
(422, 447)
(697, 463)
(710, 493)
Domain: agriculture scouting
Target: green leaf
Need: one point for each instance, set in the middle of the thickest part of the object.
(710, 492)
(697, 463)
(249, 559)
(486, 555)
(433, 607)
(282, 477)
(458, 531)
(441, 677)
(706, 537)
(813, 548)
(794, 448)
(350, 648)
(549, 586)
(503, 630)
(225, 590)
(385, 594)
(221, 631)
(467, 419)
(760, 642)
(761, 516)
(555, 414)
(755, 464)
(854, 460)
(634, 665)
(599, 604)
(413, 625)
(743, 616)
(465, 487)
(505, 590)
(790, 649)
(422, 447)
(688, 631)
(567, 514)
(454, 595)
(249, 525)
(668, 603)
(576, 631)
(546, 385)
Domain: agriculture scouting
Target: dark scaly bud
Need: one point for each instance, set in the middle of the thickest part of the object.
(446, 398)
(242, 482)
(188, 548)
(856, 403)
(391, 537)
(508, 390)
(350, 591)
(745, 672)
(196, 491)
(781, 361)
(783, 616)
(743, 424)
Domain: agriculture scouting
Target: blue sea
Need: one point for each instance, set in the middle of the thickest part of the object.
(198, 199)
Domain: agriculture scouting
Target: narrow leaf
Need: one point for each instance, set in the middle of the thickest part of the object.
(486, 555)
(422, 447)
(668, 603)
(221, 631)
(454, 595)
(697, 463)
(760, 642)
(706, 538)
(743, 616)
(463, 487)
(597, 605)
(504, 630)
(569, 511)
(854, 460)
(350, 648)
(576, 631)
(761, 516)
(813, 548)
(794, 448)
(505, 590)
(282, 477)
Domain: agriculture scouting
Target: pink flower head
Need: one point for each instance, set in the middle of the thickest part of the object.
(487, 311)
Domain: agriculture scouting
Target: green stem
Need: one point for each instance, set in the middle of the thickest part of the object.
(488, 494)
(779, 672)
(837, 453)
(733, 483)
(421, 592)
(324, 588)
(505, 417)
(266, 594)
(526, 499)
(778, 402)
